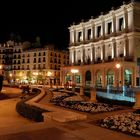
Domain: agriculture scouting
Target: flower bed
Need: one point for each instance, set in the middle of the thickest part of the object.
(83, 106)
(128, 123)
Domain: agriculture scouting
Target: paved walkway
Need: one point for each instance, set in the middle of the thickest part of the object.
(14, 127)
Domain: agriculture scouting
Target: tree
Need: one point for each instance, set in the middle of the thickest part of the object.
(29, 76)
(37, 43)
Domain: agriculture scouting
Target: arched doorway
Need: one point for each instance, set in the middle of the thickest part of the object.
(88, 78)
(128, 77)
(110, 77)
(98, 82)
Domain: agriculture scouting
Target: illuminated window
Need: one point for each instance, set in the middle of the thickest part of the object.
(121, 24)
(79, 36)
(98, 31)
(109, 28)
(88, 34)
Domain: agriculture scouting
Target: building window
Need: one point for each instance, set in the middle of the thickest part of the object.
(51, 61)
(51, 66)
(44, 53)
(34, 54)
(44, 66)
(39, 54)
(55, 67)
(34, 66)
(14, 67)
(14, 61)
(79, 36)
(18, 67)
(109, 28)
(55, 60)
(18, 61)
(44, 59)
(121, 24)
(59, 61)
(28, 55)
(88, 34)
(27, 67)
(98, 31)
(28, 61)
(19, 57)
(55, 55)
(39, 67)
(34, 60)
(67, 62)
(39, 60)
(23, 55)
(14, 56)
(23, 67)
(23, 61)
(51, 54)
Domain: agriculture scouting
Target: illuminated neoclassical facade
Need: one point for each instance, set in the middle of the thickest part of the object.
(100, 44)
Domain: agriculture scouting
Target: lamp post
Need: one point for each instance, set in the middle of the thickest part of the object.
(0, 69)
(74, 71)
(49, 74)
(118, 67)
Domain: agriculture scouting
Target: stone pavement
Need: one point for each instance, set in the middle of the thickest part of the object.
(15, 127)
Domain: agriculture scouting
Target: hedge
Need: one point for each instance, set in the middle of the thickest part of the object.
(28, 111)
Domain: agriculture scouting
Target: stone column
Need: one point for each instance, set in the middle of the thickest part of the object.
(104, 78)
(137, 103)
(81, 90)
(122, 76)
(93, 95)
(83, 78)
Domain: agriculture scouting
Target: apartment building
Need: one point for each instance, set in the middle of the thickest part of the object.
(23, 64)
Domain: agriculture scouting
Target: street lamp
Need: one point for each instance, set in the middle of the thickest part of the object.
(0, 69)
(49, 74)
(118, 67)
(74, 71)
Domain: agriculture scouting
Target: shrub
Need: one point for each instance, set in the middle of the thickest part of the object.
(30, 112)
(137, 111)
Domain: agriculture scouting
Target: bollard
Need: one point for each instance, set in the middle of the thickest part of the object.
(93, 95)
(137, 103)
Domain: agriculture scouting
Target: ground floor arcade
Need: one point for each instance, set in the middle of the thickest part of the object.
(102, 74)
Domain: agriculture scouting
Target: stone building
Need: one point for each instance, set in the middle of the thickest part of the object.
(22, 64)
(104, 50)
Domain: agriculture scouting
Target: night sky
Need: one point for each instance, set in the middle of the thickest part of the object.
(49, 20)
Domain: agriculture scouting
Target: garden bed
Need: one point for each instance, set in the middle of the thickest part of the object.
(83, 106)
(128, 123)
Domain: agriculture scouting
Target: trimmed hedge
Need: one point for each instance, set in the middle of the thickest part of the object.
(137, 111)
(28, 111)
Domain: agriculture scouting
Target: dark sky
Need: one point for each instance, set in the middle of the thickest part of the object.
(49, 20)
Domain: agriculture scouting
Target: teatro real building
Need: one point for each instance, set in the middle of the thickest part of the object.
(104, 50)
